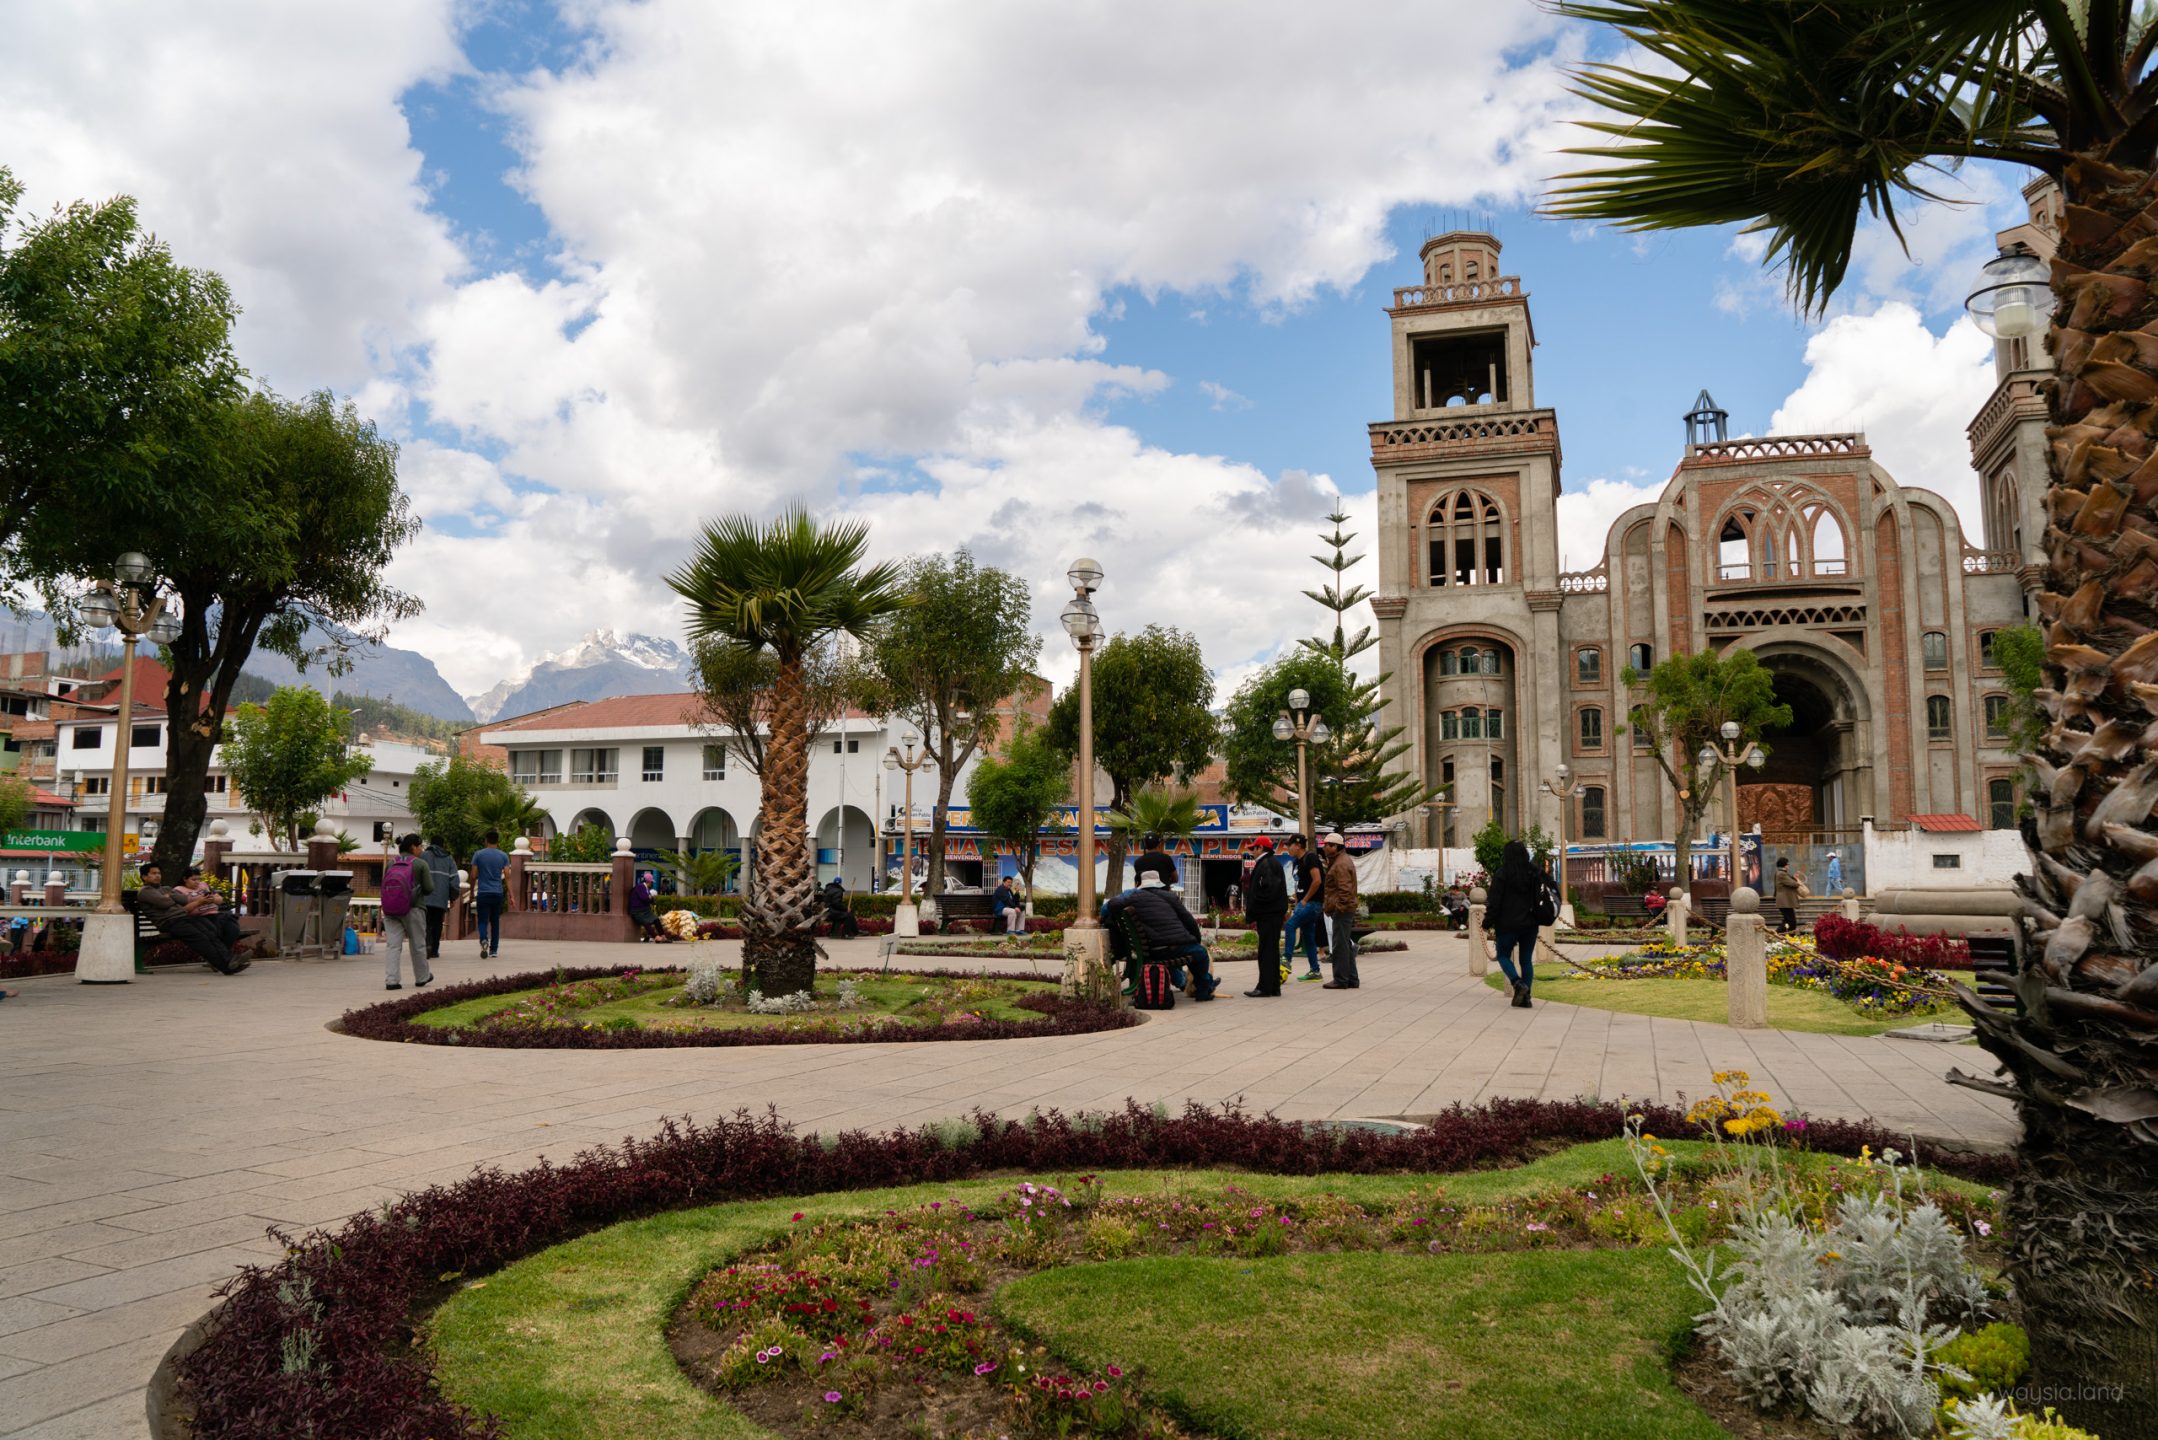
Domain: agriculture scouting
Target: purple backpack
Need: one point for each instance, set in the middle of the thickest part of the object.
(398, 888)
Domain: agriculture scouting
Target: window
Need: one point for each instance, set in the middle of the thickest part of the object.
(143, 737)
(536, 767)
(1592, 728)
(1996, 717)
(1468, 540)
(2001, 802)
(1471, 660)
(1588, 666)
(854, 747)
(1494, 725)
(655, 762)
(1734, 547)
(592, 767)
(1940, 718)
(1446, 816)
(1986, 659)
(1472, 724)
(1642, 658)
(1828, 557)
(1640, 737)
(215, 784)
(1449, 726)
(1592, 812)
(151, 785)
(89, 737)
(715, 762)
(1498, 787)
(1491, 662)
(1449, 663)
(1948, 862)
(1933, 645)
(96, 785)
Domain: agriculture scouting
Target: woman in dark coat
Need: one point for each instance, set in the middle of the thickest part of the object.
(1515, 895)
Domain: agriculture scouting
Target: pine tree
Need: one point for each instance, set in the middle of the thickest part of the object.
(1359, 778)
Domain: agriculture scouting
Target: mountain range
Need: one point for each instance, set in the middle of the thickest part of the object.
(601, 664)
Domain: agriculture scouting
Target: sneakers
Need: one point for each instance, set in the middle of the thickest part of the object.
(1312, 975)
(393, 985)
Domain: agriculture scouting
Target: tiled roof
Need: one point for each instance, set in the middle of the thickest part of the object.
(1947, 824)
(615, 712)
(45, 800)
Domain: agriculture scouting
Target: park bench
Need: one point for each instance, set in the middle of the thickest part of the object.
(1993, 967)
(952, 909)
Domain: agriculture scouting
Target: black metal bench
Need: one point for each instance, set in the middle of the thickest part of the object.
(952, 908)
(1993, 968)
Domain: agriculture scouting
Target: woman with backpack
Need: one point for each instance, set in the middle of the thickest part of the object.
(1520, 902)
(405, 883)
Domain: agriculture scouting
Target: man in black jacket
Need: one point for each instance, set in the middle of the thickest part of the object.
(1266, 905)
(1153, 860)
(1171, 935)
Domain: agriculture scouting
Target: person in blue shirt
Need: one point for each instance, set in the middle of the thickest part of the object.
(489, 893)
(1835, 875)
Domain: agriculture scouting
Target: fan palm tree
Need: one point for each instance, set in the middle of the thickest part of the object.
(508, 813)
(782, 586)
(1793, 117)
(1155, 810)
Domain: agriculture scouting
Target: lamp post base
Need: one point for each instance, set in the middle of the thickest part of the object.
(1087, 972)
(906, 920)
(108, 949)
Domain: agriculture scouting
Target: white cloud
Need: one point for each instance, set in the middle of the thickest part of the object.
(1912, 391)
(1222, 396)
(1586, 515)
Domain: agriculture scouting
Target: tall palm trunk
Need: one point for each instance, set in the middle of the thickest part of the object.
(2083, 1057)
(779, 949)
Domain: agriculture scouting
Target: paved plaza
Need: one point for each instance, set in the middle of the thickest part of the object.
(150, 1133)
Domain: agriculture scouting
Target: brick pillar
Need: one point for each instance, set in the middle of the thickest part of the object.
(518, 895)
(623, 880)
(213, 856)
(322, 852)
(18, 890)
(55, 891)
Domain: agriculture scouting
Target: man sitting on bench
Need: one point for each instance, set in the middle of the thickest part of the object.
(1169, 933)
(197, 921)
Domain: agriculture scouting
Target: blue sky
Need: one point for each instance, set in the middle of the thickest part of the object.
(1021, 279)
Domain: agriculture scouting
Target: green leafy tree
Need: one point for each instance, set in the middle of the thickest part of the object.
(1153, 718)
(1016, 797)
(288, 755)
(1262, 770)
(1490, 844)
(588, 844)
(784, 587)
(946, 662)
(14, 802)
(1794, 118)
(1682, 704)
(1363, 757)
(459, 799)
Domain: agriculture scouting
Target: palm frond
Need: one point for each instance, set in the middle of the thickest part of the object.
(784, 584)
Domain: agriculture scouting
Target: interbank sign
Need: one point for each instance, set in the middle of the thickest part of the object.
(83, 842)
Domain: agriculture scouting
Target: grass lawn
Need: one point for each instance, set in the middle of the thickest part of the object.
(902, 996)
(1386, 1346)
(1789, 1008)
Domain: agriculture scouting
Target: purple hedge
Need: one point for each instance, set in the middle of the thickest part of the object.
(345, 1302)
(392, 1020)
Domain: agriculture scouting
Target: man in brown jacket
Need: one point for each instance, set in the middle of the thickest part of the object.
(1339, 901)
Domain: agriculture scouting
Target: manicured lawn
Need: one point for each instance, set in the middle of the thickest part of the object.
(1385, 1346)
(1789, 1008)
(902, 996)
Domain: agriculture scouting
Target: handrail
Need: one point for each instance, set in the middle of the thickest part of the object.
(569, 867)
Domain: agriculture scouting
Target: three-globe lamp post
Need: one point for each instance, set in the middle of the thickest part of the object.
(132, 603)
(1731, 755)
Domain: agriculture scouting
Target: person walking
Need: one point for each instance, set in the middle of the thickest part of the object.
(1835, 875)
(489, 893)
(406, 881)
(1789, 885)
(441, 891)
(1338, 900)
(1305, 876)
(1266, 905)
(1515, 905)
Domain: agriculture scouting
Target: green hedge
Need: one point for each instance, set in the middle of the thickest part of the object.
(728, 907)
(1399, 902)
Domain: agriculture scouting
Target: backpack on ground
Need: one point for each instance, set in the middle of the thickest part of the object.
(1154, 989)
(398, 888)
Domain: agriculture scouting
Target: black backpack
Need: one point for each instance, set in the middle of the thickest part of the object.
(1547, 901)
(1154, 989)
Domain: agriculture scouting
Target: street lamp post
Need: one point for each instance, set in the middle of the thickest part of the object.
(130, 602)
(1083, 624)
(906, 920)
(1563, 792)
(1731, 755)
(1302, 728)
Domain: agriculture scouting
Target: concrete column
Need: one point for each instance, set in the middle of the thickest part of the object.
(1675, 915)
(56, 891)
(624, 879)
(18, 890)
(517, 894)
(1746, 960)
(1850, 903)
(1479, 949)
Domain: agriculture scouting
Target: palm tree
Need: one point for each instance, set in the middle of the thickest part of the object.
(782, 586)
(508, 813)
(1171, 814)
(1792, 117)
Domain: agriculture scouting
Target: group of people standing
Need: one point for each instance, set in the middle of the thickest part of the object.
(419, 886)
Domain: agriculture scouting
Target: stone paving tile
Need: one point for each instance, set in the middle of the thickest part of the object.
(51, 1391)
(42, 1274)
(120, 1415)
(26, 1312)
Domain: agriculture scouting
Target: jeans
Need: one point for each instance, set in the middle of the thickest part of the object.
(398, 931)
(1199, 984)
(490, 918)
(1303, 920)
(1505, 941)
(1342, 955)
(435, 916)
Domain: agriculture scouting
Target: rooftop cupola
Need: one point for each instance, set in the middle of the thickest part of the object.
(1707, 423)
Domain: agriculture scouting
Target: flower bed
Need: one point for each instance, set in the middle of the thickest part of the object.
(1841, 939)
(318, 1343)
(1870, 986)
(394, 1019)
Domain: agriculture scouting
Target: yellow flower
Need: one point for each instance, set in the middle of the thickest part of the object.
(1732, 1077)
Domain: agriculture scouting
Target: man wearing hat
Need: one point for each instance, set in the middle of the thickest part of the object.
(1266, 905)
(1835, 874)
(1339, 902)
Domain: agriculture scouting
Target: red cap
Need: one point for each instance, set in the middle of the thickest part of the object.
(1264, 842)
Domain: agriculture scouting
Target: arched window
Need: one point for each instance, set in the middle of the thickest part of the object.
(1940, 719)
(1449, 663)
(1471, 660)
(1472, 724)
(1734, 547)
(1468, 540)
(1641, 658)
(1828, 556)
(1591, 726)
(1592, 812)
(1491, 662)
(1588, 666)
(1996, 717)
(1933, 646)
(1987, 660)
(1449, 725)
(2001, 802)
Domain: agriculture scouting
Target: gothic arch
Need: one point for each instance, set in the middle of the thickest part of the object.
(1782, 530)
(1469, 538)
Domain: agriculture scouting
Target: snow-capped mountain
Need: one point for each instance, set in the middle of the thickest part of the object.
(601, 664)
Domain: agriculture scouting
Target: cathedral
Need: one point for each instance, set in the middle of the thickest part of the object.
(1873, 608)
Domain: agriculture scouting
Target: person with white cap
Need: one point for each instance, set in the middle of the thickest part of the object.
(1339, 902)
(1835, 874)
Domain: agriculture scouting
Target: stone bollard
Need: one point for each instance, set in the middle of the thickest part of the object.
(18, 890)
(1675, 915)
(56, 890)
(1850, 903)
(1479, 953)
(322, 846)
(1746, 960)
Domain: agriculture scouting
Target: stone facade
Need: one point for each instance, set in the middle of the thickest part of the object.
(1866, 598)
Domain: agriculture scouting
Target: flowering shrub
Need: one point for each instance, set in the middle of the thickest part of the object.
(1869, 985)
(1841, 939)
(345, 1299)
